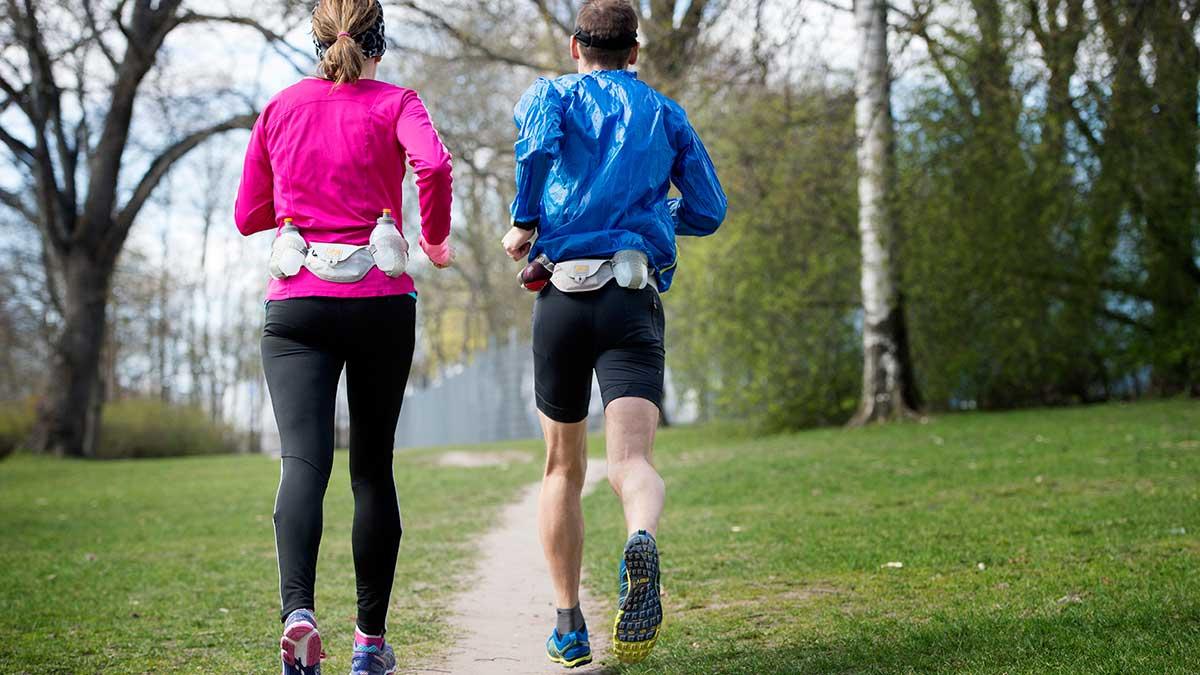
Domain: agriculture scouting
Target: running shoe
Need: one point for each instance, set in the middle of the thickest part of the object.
(372, 660)
(570, 650)
(300, 646)
(639, 608)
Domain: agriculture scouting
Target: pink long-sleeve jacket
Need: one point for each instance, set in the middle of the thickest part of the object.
(332, 160)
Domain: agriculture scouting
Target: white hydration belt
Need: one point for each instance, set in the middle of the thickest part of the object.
(339, 263)
(590, 274)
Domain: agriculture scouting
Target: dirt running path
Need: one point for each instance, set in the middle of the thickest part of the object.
(507, 614)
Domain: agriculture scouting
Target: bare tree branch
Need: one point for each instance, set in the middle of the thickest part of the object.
(833, 5)
(22, 152)
(90, 15)
(47, 100)
(16, 96)
(473, 42)
(39, 101)
(13, 201)
(276, 40)
(551, 18)
(1073, 279)
(117, 13)
(1125, 319)
(165, 160)
(147, 31)
(918, 24)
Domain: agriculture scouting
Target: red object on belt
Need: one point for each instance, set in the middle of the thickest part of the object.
(536, 274)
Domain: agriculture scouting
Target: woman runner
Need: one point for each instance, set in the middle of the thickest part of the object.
(325, 162)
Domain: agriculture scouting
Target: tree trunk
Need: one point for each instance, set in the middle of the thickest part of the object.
(69, 412)
(670, 45)
(83, 227)
(888, 389)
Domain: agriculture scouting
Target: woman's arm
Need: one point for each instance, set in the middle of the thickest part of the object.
(254, 210)
(431, 163)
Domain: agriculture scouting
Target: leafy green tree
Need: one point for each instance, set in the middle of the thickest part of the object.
(765, 321)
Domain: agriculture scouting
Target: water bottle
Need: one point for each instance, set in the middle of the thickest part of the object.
(631, 268)
(388, 247)
(287, 251)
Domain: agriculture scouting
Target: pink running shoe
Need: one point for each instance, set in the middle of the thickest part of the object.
(300, 646)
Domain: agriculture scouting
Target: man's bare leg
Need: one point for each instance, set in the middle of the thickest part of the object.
(629, 426)
(560, 516)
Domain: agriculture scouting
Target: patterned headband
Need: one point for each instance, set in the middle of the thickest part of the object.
(370, 40)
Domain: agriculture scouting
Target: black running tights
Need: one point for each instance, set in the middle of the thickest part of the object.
(305, 344)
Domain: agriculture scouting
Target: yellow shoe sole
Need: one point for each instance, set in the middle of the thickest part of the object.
(581, 661)
(633, 652)
(639, 619)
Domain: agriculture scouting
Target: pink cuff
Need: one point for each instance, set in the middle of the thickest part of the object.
(440, 254)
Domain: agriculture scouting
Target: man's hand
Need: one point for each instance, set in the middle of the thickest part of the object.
(516, 242)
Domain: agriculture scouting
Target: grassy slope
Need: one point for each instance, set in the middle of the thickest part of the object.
(168, 565)
(1085, 521)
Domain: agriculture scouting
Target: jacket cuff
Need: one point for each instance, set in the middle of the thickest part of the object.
(526, 224)
(440, 254)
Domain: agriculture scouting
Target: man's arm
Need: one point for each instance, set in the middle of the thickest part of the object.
(538, 116)
(701, 208)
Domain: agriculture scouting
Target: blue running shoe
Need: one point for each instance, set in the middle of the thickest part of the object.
(639, 607)
(570, 650)
(300, 646)
(372, 660)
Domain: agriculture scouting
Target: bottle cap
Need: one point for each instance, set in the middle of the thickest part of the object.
(287, 220)
(387, 212)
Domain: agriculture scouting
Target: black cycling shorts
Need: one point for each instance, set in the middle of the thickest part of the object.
(615, 331)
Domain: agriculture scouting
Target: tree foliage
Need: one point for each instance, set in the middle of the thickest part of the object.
(1051, 213)
(763, 322)
(1048, 216)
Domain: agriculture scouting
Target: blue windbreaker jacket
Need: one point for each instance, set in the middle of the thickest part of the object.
(595, 157)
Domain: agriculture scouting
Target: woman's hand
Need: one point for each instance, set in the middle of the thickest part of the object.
(441, 255)
(517, 242)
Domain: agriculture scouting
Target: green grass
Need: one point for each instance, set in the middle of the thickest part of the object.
(169, 565)
(1085, 522)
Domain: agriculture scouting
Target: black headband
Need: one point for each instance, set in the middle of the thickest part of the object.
(370, 40)
(623, 41)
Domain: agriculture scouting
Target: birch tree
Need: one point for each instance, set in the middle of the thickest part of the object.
(888, 389)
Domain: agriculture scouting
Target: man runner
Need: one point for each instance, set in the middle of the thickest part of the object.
(596, 153)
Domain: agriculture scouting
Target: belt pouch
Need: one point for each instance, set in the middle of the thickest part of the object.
(340, 263)
(579, 276)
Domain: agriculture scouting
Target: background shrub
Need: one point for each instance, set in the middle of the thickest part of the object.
(144, 427)
(139, 427)
(16, 421)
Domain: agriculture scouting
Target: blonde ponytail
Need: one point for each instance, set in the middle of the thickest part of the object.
(334, 25)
